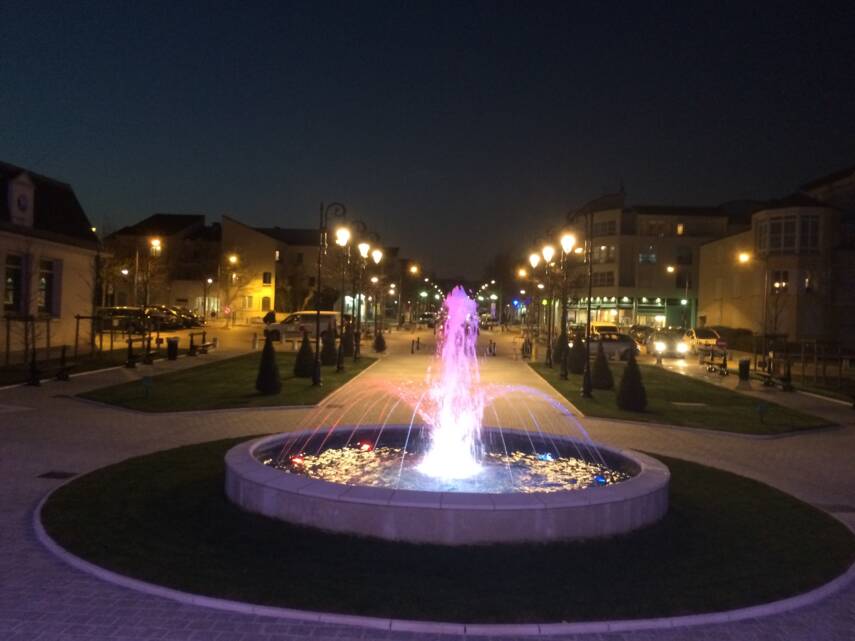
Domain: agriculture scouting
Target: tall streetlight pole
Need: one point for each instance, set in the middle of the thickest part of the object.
(534, 261)
(376, 256)
(548, 253)
(342, 239)
(335, 210)
(568, 241)
(364, 249)
(586, 376)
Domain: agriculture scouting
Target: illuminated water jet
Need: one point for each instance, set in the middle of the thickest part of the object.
(456, 397)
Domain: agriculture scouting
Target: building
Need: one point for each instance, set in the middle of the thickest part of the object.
(644, 259)
(165, 259)
(48, 253)
(792, 271)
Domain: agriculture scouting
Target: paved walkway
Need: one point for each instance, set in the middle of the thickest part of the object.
(43, 430)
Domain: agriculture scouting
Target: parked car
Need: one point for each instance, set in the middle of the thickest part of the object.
(121, 319)
(701, 337)
(428, 318)
(163, 317)
(641, 333)
(615, 345)
(486, 320)
(189, 318)
(600, 327)
(294, 324)
(667, 343)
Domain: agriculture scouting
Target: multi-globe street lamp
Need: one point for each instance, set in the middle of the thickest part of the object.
(342, 239)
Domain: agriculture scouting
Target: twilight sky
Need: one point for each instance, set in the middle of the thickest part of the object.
(454, 129)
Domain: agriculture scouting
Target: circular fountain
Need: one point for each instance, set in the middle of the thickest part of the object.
(444, 478)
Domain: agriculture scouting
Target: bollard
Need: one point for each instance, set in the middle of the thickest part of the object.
(254, 341)
(412, 347)
(191, 351)
(131, 362)
(418, 343)
(215, 342)
(62, 374)
(148, 359)
(658, 358)
(744, 374)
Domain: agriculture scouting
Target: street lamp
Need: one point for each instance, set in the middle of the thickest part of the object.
(334, 210)
(364, 251)
(548, 253)
(568, 242)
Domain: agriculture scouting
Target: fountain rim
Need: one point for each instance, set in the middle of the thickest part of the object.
(242, 461)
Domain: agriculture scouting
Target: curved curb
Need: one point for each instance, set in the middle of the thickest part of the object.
(435, 627)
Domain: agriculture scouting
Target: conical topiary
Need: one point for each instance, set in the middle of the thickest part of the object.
(576, 360)
(304, 366)
(601, 375)
(631, 395)
(379, 342)
(347, 343)
(267, 382)
(328, 351)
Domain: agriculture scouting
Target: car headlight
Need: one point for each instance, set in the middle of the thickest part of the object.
(659, 346)
(682, 348)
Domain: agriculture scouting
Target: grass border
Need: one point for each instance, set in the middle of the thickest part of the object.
(79, 529)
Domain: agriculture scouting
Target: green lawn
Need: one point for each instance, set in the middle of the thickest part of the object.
(726, 542)
(722, 409)
(225, 384)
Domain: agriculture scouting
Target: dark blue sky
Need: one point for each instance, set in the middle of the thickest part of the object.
(455, 129)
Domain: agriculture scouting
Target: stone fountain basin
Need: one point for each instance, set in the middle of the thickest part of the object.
(450, 518)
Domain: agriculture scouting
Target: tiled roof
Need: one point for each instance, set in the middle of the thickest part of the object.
(298, 237)
(57, 214)
(162, 225)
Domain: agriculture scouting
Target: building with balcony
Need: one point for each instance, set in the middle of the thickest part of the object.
(645, 259)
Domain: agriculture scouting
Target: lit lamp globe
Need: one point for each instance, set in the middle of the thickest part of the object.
(548, 252)
(364, 248)
(568, 241)
(377, 256)
(342, 236)
(534, 260)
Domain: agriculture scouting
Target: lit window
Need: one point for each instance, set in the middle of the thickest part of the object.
(46, 287)
(13, 283)
(680, 229)
(276, 255)
(267, 278)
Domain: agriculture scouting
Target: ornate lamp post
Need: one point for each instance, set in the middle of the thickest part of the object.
(364, 249)
(568, 241)
(334, 210)
(376, 256)
(586, 376)
(342, 239)
(548, 253)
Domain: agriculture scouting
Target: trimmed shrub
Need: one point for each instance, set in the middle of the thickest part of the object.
(631, 395)
(576, 360)
(328, 352)
(347, 341)
(379, 342)
(267, 382)
(305, 363)
(601, 375)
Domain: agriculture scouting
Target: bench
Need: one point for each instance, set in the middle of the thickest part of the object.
(715, 361)
(201, 348)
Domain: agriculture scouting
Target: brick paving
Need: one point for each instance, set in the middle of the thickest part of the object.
(42, 430)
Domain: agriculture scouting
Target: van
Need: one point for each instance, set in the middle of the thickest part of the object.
(294, 324)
